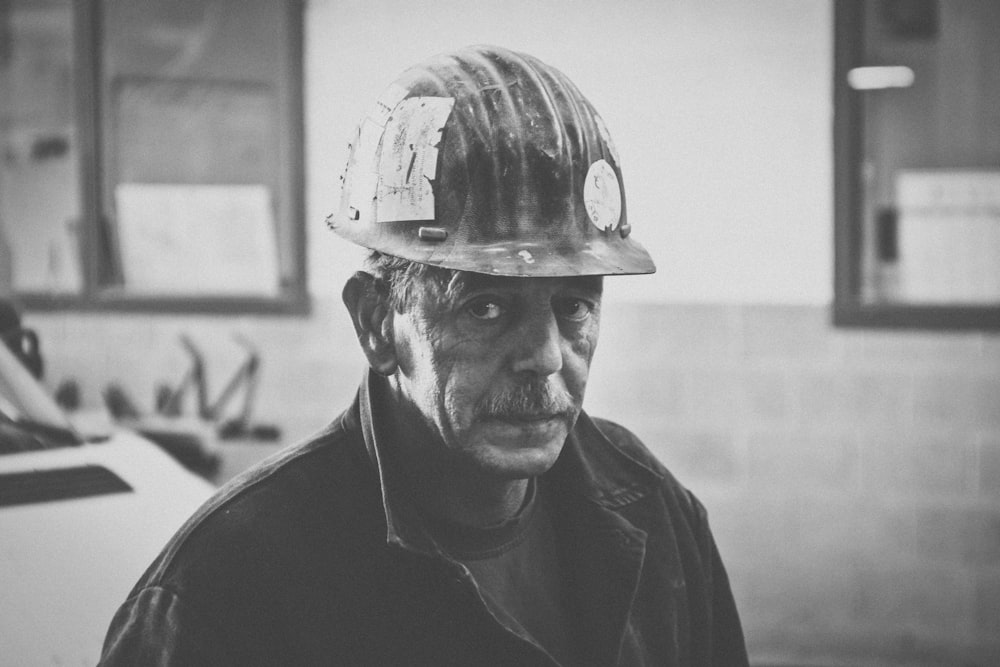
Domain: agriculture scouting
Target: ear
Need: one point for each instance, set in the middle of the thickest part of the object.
(371, 315)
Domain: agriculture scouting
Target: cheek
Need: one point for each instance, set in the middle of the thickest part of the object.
(583, 347)
(584, 341)
(466, 380)
(442, 379)
(458, 401)
(418, 367)
(577, 361)
(417, 347)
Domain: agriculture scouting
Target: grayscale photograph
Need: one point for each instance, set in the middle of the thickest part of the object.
(500, 333)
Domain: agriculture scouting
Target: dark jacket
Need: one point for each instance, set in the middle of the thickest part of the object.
(309, 559)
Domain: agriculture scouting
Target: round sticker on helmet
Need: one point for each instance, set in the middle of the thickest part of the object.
(602, 196)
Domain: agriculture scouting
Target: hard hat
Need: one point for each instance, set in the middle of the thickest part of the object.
(490, 161)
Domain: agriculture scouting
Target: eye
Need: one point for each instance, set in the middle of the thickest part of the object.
(573, 309)
(486, 309)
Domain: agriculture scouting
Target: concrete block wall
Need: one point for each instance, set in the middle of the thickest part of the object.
(852, 477)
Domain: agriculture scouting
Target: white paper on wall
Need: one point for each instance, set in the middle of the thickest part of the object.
(949, 236)
(197, 240)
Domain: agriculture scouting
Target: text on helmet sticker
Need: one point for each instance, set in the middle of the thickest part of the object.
(602, 196)
(408, 159)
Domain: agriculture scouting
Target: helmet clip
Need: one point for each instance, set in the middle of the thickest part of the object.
(433, 234)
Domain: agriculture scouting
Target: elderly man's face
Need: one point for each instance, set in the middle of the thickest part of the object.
(498, 368)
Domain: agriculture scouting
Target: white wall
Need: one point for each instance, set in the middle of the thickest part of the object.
(721, 110)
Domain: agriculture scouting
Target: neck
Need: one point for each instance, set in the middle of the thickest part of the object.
(480, 503)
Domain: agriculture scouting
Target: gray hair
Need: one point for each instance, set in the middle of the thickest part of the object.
(403, 279)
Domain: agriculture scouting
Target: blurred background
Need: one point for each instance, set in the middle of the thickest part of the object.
(817, 357)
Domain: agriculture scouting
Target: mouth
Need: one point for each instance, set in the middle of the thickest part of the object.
(525, 417)
(525, 430)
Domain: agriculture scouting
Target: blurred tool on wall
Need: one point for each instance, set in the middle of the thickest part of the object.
(22, 342)
(194, 438)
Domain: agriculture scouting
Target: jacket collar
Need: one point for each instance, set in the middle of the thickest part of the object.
(590, 466)
(404, 526)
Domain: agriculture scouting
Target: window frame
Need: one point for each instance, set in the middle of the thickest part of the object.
(95, 296)
(849, 310)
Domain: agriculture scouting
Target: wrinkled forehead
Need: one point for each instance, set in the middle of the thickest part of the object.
(465, 282)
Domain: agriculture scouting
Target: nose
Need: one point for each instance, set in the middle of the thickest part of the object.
(538, 345)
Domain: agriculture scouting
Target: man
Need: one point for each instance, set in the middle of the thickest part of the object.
(464, 510)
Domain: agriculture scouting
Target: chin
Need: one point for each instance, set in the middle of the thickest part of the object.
(517, 452)
(519, 467)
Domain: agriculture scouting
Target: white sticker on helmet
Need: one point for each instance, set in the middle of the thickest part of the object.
(602, 196)
(408, 159)
(359, 182)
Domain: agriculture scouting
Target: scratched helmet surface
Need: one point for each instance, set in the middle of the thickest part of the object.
(490, 161)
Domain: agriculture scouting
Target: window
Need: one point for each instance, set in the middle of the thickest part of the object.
(917, 173)
(152, 154)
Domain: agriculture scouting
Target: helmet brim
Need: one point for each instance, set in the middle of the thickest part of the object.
(528, 258)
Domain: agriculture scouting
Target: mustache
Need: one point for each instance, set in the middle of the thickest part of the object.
(530, 399)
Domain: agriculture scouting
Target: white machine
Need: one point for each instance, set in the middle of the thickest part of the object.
(79, 522)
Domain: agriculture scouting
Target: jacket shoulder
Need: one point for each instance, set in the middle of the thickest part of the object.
(301, 493)
(270, 548)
